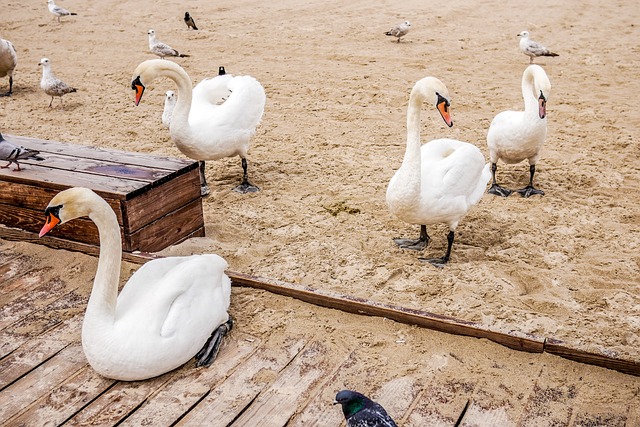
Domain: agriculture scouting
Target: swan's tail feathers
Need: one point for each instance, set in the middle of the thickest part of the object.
(209, 352)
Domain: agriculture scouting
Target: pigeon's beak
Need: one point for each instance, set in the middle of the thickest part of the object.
(137, 85)
(335, 402)
(52, 221)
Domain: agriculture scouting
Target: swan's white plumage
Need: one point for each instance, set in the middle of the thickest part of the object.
(514, 136)
(217, 118)
(438, 182)
(166, 311)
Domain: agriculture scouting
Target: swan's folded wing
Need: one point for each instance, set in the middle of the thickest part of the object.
(210, 93)
(244, 107)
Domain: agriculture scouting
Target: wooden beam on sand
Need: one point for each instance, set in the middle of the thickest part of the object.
(514, 340)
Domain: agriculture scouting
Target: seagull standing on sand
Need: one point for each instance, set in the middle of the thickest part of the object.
(360, 411)
(162, 49)
(57, 10)
(399, 30)
(189, 21)
(12, 153)
(532, 48)
(51, 85)
(8, 62)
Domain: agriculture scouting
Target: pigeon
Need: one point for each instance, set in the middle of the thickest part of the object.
(162, 49)
(360, 411)
(169, 105)
(399, 30)
(51, 85)
(8, 62)
(531, 48)
(57, 10)
(188, 19)
(12, 153)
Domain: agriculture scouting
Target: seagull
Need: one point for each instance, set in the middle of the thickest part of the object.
(399, 30)
(51, 85)
(161, 49)
(531, 48)
(12, 153)
(189, 21)
(169, 105)
(57, 10)
(360, 411)
(8, 62)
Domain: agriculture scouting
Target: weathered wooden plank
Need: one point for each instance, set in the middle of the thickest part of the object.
(397, 396)
(39, 349)
(34, 292)
(97, 153)
(169, 403)
(18, 396)
(158, 201)
(477, 415)
(37, 198)
(441, 401)
(226, 401)
(171, 228)
(64, 400)
(608, 360)
(292, 389)
(320, 411)
(12, 268)
(36, 323)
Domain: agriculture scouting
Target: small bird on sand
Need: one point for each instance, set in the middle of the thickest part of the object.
(399, 30)
(360, 411)
(51, 85)
(532, 48)
(57, 10)
(188, 19)
(169, 105)
(8, 62)
(162, 49)
(221, 71)
(12, 153)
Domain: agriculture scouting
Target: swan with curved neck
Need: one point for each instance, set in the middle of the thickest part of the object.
(438, 182)
(514, 136)
(216, 119)
(169, 311)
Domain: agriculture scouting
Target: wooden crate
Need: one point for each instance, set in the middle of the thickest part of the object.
(156, 199)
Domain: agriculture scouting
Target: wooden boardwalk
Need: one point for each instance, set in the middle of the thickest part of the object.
(278, 376)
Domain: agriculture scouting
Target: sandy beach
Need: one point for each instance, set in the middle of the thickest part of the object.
(564, 265)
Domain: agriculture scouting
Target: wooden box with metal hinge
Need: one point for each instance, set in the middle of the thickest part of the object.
(156, 199)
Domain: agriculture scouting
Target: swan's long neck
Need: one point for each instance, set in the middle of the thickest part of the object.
(411, 164)
(528, 93)
(180, 118)
(102, 302)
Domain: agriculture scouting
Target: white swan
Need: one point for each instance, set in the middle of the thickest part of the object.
(201, 127)
(514, 136)
(169, 105)
(439, 181)
(165, 313)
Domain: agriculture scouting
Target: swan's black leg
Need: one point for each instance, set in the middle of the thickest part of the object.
(530, 190)
(416, 245)
(495, 188)
(245, 186)
(204, 188)
(440, 262)
(209, 352)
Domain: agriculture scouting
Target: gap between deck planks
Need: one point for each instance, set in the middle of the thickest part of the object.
(350, 304)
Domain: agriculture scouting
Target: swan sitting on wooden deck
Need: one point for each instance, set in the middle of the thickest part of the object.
(169, 311)
(216, 119)
(438, 182)
(514, 136)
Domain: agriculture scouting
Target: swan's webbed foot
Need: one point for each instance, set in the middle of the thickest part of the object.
(204, 190)
(499, 191)
(246, 187)
(413, 244)
(209, 352)
(436, 262)
(529, 191)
